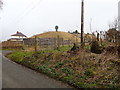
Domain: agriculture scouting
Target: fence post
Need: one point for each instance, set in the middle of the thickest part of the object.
(62, 41)
(54, 43)
(23, 44)
(35, 44)
(58, 42)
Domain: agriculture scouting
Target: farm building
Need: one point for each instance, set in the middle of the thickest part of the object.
(17, 37)
(16, 41)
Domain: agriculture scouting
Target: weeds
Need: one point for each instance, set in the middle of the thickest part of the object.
(86, 70)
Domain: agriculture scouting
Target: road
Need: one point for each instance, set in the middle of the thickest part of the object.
(0, 70)
(18, 76)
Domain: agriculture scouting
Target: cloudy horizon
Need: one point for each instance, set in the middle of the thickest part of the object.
(37, 16)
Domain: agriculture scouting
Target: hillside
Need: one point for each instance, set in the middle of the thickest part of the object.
(64, 35)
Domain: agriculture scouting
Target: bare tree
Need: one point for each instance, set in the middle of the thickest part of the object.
(113, 34)
(1, 4)
(114, 24)
(91, 25)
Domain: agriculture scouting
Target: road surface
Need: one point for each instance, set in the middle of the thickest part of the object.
(17, 76)
(0, 69)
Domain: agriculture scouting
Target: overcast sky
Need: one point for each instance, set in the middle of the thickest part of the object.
(37, 16)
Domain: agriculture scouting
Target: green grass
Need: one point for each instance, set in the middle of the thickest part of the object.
(71, 69)
(62, 49)
(87, 47)
(58, 65)
(19, 55)
(11, 49)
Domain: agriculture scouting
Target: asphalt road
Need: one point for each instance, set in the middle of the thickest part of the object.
(17, 76)
(0, 69)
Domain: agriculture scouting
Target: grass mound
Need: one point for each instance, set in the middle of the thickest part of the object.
(64, 35)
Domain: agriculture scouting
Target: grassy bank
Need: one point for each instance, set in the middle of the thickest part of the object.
(81, 69)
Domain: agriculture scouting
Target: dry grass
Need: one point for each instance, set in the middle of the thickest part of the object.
(83, 69)
(64, 35)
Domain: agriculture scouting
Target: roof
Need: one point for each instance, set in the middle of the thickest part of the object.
(19, 34)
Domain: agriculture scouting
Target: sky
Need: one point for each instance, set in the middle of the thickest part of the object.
(38, 16)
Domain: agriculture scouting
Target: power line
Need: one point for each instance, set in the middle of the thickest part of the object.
(26, 12)
(32, 8)
(27, 8)
(17, 16)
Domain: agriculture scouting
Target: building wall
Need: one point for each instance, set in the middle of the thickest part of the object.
(119, 15)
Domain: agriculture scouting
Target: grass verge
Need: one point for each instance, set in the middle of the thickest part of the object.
(82, 70)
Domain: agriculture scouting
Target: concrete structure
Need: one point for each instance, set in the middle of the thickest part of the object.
(119, 15)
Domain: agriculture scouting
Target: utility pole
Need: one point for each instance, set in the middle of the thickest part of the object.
(82, 23)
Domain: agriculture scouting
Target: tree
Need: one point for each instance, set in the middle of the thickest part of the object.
(76, 32)
(1, 4)
(112, 35)
(114, 24)
(69, 32)
(56, 28)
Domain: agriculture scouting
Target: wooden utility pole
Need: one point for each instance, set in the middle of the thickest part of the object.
(82, 23)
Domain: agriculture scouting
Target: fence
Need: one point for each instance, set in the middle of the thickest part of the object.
(12, 45)
(40, 42)
(46, 41)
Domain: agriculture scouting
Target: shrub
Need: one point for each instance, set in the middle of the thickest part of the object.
(45, 69)
(95, 48)
(58, 64)
(67, 70)
(88, 72)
